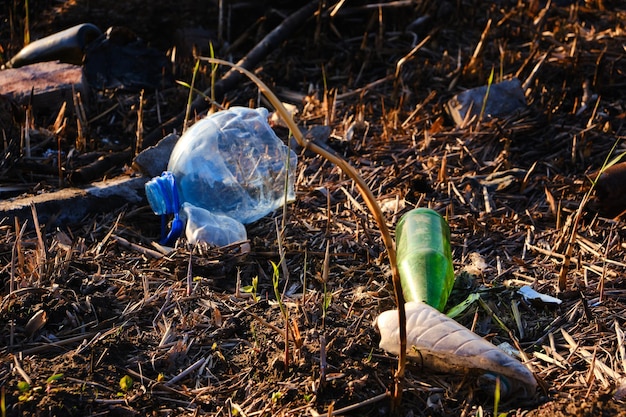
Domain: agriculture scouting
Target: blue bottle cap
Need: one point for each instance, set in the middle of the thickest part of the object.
(162, 195)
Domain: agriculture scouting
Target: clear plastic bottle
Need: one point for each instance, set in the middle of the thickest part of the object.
(424, 257)
(230, 163)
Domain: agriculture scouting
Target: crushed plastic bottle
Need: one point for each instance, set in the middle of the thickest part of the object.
(424, 257)
(230, 164)
(437, 342)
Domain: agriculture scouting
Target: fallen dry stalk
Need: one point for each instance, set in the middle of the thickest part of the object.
(366, 193)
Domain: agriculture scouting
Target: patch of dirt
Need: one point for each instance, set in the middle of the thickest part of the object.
(84, 307)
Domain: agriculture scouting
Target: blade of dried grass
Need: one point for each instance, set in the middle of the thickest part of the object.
(81, 121)
(185, 372)
(548, 359)
(577, 216)
(470, 67)
(102, 243)
(139, 131)
(133, 246)
(21, 371)
(364, 403)
(621, 350)
(408, 56)
(17, 255)
(189, 274)
(518, 318)
(46, 347)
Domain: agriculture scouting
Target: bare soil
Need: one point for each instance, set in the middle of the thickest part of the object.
(94, 320)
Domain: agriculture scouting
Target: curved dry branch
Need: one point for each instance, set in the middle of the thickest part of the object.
(369, 198)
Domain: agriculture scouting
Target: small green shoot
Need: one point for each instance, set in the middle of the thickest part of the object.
(283, 309)
(496, 396)
(24, 389)
(23, 386)
(276, 396)
(463, 305)
(51, 381)
(190, 98)
(275, 281)
(484, 106)
(252, 289)
(213, 72)
(126, 383)
(328, 298)
(255, 337)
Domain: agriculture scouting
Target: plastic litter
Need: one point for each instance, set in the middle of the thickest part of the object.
(438, 342)
(532, 295)
(424, 257)
(204, 226)
(230, 164)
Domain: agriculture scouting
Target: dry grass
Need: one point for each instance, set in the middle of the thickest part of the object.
(96, 301)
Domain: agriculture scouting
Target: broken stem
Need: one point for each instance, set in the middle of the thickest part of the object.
(365, 192)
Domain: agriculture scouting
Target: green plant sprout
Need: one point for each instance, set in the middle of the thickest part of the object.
(213, 72)
(24, 388)
(276, 396)
(189, 99)
(51, 381)
(126, 383)
(328, 298)
(255, 337)
(275, 281)
(283, 310)
(496, 396)
(252, 289)
(484, 106)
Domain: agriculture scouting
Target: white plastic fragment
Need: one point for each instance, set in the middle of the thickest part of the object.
(440, 343)
(530, 294)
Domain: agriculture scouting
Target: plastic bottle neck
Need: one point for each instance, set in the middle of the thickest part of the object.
(162, 195)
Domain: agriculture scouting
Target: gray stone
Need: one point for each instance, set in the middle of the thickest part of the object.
(503, 99)
(152, 161)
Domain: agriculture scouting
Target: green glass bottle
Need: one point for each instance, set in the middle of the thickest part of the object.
(424, 257)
